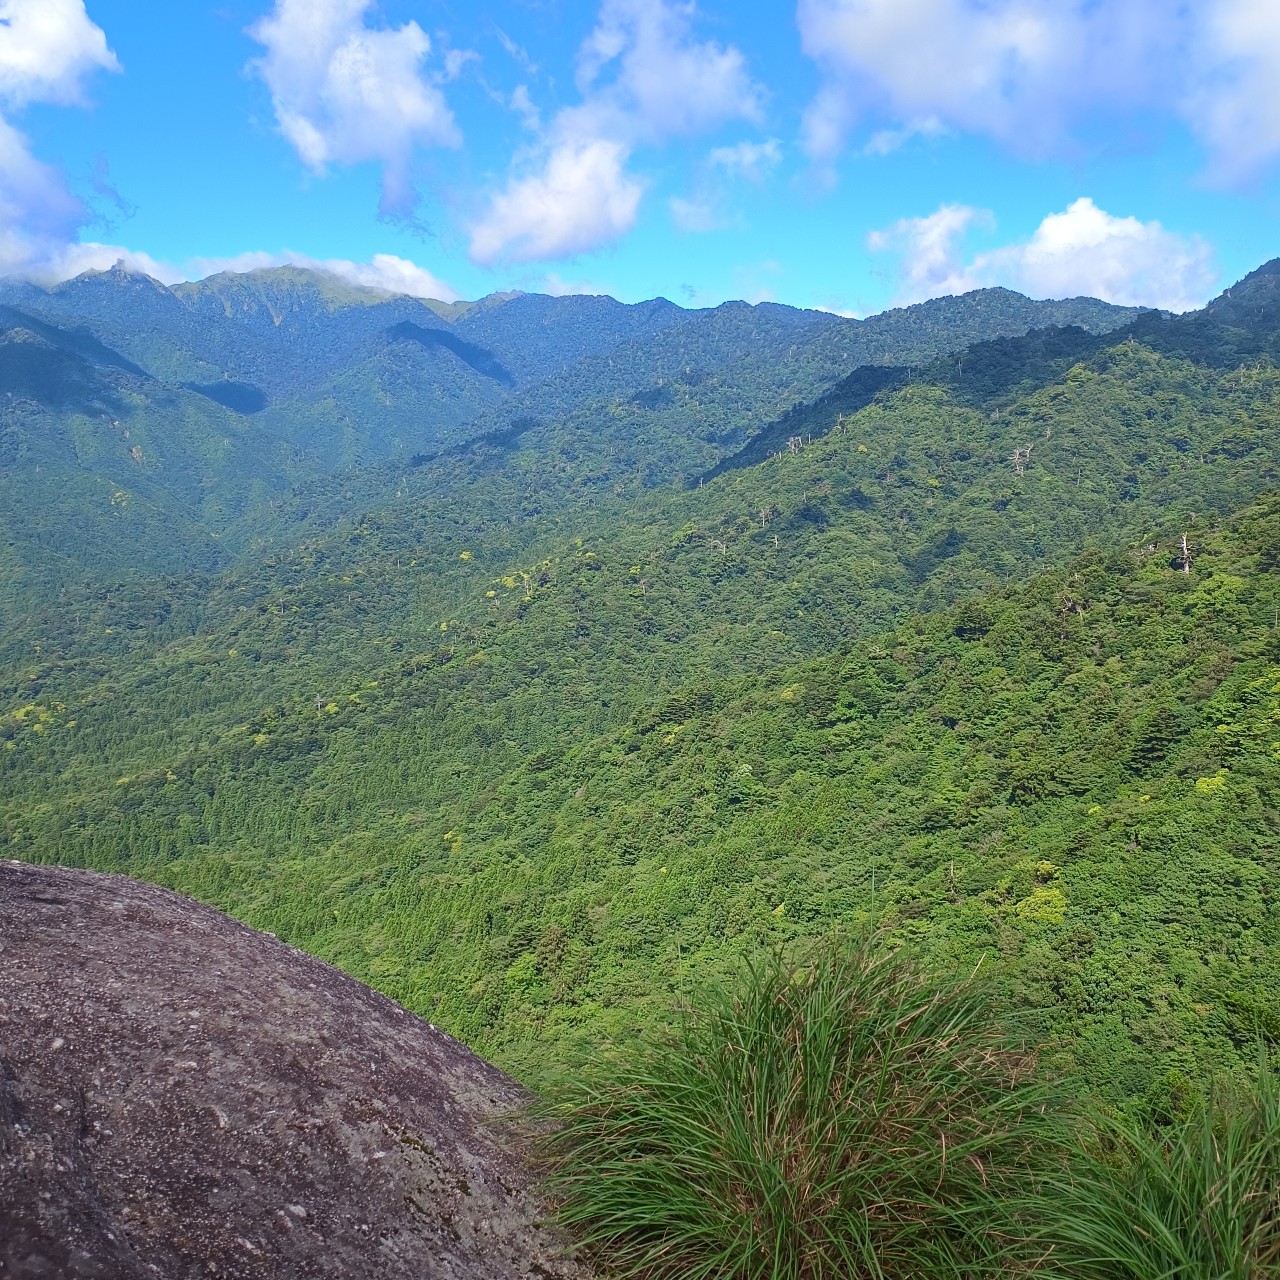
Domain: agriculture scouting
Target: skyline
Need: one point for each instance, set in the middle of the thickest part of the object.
(846, 154)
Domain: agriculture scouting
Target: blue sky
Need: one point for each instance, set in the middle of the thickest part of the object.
(847, 154)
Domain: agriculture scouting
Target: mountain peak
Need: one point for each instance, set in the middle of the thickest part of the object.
(277, 284)
(1245, 299)
(118, 273)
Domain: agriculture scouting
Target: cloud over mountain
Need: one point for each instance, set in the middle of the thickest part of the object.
(382, 271)
(1082, 251)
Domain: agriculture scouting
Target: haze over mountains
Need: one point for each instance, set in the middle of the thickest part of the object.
(533, 657)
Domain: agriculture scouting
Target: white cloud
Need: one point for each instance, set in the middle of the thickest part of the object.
(1235, 106)
(47, 49)
(703, 210)
(1085, 250)
(885, 141)
(1082, 251)
(750, 160)
(384, 271)
(927, 250)
(253, 260)
(396, 275)
(1025, 72)
(455, 61)
(346, 93)
(666, 84)
(36, 209)
(71, 260)
(644, 79)
(1016, 70)
(581, 198)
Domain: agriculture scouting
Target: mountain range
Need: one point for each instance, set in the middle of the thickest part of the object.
(173, 426)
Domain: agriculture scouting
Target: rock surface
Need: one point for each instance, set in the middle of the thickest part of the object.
(181, 1096)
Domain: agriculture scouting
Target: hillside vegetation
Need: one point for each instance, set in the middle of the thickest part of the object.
(534, 739)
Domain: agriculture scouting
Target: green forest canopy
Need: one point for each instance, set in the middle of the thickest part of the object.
(534, 766)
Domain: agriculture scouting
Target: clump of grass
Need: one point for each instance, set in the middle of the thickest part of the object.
(1200, 1200)
(847, 1116)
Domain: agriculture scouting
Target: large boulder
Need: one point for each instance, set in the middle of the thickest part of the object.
(182, 1096)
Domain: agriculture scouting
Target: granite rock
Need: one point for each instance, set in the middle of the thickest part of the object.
(182, 1096)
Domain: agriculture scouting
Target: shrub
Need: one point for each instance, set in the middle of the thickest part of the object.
(849, 1115)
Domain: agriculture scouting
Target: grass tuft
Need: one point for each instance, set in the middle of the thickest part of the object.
(1198, 1201)
(850, 1115)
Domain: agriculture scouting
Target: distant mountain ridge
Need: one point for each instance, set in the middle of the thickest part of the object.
(261, 326)
(151, 426)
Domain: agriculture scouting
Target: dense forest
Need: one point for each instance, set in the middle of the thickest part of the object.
(672, 637)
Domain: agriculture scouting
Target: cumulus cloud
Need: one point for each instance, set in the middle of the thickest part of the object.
(396, 275)
(665, 83)
(643, 78)
(1026, 73)
(346, 93)
(48, 50)
(581, 198)
(1081, 251)
(928, 250)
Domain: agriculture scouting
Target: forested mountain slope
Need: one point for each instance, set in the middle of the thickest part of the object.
(1076, 776)
(105, 470)
(192, 423)
(532, 741)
